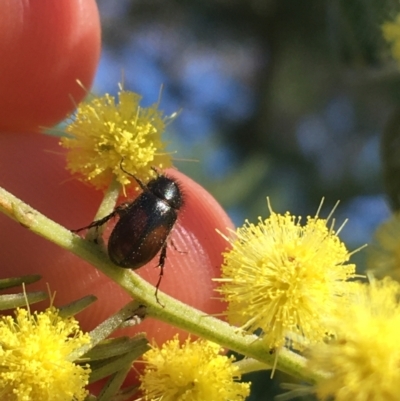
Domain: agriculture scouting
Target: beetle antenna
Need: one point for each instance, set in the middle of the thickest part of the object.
(155, 169)
(143, 186)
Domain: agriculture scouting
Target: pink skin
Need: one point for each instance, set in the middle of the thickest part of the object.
(46, 46)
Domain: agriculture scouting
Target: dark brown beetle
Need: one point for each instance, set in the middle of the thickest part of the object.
(144, 225)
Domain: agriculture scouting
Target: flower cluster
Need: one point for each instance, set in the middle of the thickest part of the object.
(362, 362)
(283, 277)
(195, 371)
(34, 357)
(292, 281)
(105, 134)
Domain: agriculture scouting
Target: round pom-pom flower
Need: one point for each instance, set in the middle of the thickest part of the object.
(283, 277)
(194, 371)
(104, 134)
(362, 361)
(34, 357)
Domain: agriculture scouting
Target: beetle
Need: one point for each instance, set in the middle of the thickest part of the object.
(144, 225)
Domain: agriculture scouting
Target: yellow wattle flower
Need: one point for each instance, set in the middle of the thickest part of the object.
(362, 362)
(284, 278)
(193, 371)
(103, 133)
(34, 352)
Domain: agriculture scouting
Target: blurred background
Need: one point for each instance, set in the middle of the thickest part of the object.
(286, 99)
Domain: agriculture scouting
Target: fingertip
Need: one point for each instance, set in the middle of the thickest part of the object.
(45, 47)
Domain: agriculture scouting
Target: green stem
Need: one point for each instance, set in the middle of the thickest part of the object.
(174, 312)
(110, 198)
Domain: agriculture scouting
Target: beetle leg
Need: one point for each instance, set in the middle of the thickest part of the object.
(161, 263)
(97, 223)
(174, 246)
